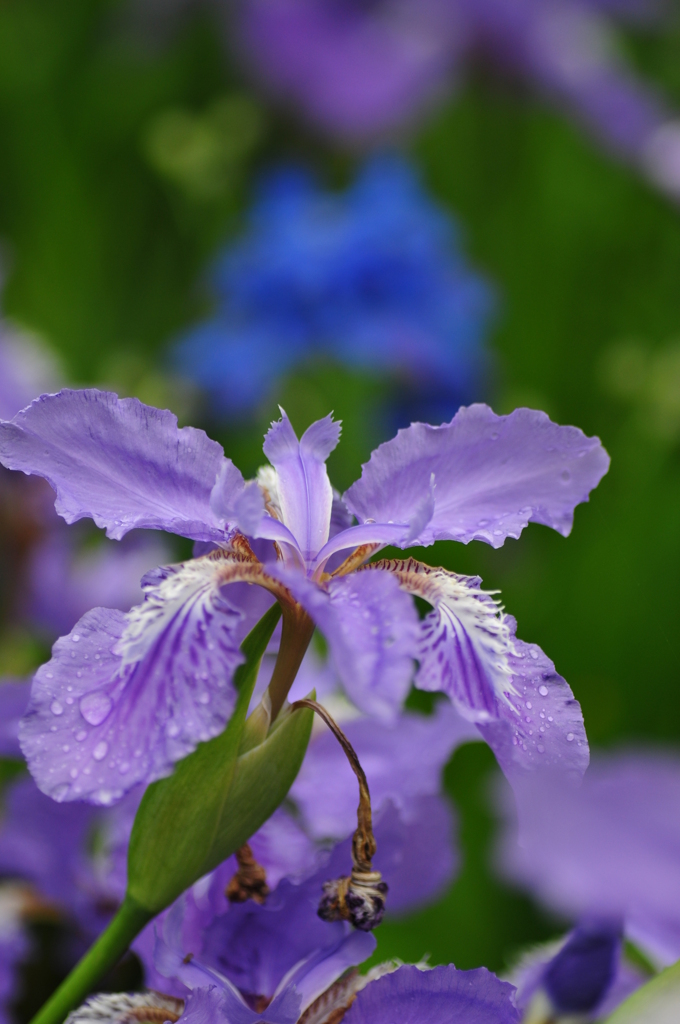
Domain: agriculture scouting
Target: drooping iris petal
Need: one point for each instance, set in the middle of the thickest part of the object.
(610, 847)
(403, 760)
(371, 627)
(541, 730)
(442, 995)
(464, 644)
(492, 475)
(304, 490)
(117, 461)
(126, 696)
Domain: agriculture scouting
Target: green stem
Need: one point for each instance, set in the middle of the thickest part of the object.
(101, 957)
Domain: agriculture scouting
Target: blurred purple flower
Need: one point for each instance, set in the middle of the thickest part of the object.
(361, 70)
(610, 848)
(87, 733)
(53, 576)
(583, 975)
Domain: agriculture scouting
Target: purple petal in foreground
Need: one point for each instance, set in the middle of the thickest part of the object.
(371, 627)
(492, 475)
(610, 847)
(122, 463)
(541, 730)
(126, 696)
(442, 995)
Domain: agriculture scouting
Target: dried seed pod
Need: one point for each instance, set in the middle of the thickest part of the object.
(250, 881)
(359, 897)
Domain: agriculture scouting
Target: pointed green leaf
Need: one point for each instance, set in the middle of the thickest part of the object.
(179, 817)
(657, 1002)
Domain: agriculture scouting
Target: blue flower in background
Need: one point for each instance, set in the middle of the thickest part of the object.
(373, 278)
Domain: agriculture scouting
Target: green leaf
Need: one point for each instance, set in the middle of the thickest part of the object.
(657, 1002)
(182, 830)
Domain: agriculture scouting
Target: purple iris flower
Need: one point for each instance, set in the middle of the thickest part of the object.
(609, 848)
(360, 70)
(372, 278)
(126, 696)
(275, 962)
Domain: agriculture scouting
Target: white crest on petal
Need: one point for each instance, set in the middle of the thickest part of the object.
(169, 591)
(126, 1008)
(467, 629)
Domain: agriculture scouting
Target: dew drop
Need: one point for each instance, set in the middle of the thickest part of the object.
(498, 533)
(56, 708)
(74, 773)
(529, 705)
(204, 698)
(49, 675)
(533, 655)
(124, 768)
(66, 748)
(60, 792)
(94, 707)
(543, 690)
(75, 638)
(550, 718)
(570, 737)
(540, 748)
(172, 728)
(100, 751)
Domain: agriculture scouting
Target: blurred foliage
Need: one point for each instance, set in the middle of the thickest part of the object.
(123, 166)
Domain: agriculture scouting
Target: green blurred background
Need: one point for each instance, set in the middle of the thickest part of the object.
(106, 228)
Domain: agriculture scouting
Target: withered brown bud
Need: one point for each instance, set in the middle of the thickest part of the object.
(358, 898)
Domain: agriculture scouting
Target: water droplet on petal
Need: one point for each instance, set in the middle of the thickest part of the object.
(533, 655)
(60, 792)
(529, 705)
(75, 638)
(100, 751)
(172, 728)
(74, 773)
(94, 707)
(543, 690)
(80, 736)
(56, 708)
(570, 737)
(540, 748)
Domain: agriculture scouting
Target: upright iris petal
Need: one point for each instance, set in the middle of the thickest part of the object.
(304, 490)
